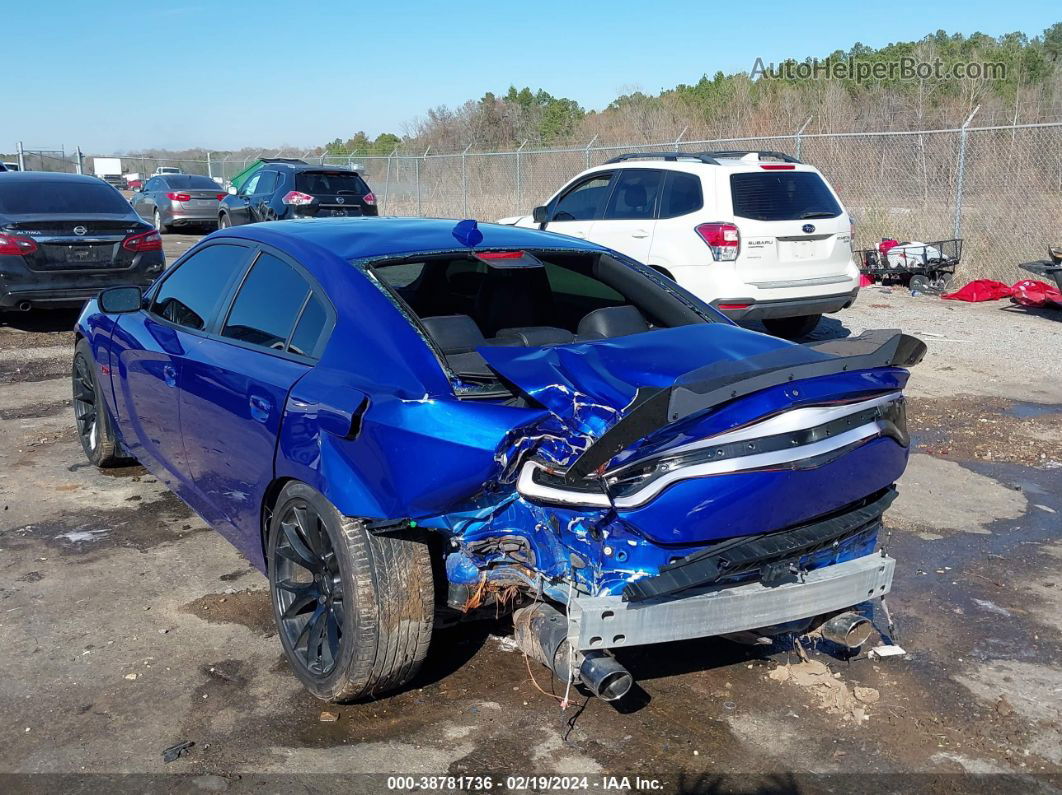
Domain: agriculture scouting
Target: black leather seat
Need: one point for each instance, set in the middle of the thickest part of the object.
(611, 321)
(513, 298)
(533, 336)
(454, 333)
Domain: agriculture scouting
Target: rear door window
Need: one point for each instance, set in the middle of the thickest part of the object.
(585, 201)
(330, 183)
(267, 182)
(191, 294)
(782, 196)
(267, 304)
(635, 195)
(46, 196)
(681, 195)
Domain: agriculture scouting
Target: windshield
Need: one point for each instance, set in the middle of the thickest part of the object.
(782, 196)
(60, 196)
(330, 183)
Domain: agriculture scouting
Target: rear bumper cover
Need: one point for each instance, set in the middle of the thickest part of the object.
(610, 622)
(790, 307)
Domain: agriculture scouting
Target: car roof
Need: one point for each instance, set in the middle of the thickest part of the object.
(15, 177)
(368, 238)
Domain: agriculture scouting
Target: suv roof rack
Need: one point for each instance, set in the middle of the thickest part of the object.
(292, 160)
(739, 153)
(704, 157)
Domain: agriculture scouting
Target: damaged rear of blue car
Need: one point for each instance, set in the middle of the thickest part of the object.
(502, 419)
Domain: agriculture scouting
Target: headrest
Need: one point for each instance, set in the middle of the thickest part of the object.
(454, 333)
(612, 321)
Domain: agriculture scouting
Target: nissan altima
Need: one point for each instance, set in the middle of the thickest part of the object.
(404, 422)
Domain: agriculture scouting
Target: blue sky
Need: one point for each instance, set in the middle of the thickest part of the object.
(119, 76)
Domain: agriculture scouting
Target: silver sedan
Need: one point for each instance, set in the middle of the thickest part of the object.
(179, 200)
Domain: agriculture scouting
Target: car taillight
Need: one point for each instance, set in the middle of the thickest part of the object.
(16, 245)
(724, 240)
(145, 241)
(221, 196)
(369, 199)
(179, 197)
(297, 198)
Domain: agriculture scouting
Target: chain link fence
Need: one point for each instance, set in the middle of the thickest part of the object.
(999, 188)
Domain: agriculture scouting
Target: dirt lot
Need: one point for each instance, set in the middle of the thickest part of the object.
(127, 626)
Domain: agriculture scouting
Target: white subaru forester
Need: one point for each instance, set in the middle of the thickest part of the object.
(758, 235)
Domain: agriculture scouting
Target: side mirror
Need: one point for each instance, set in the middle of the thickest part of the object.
(120, 300)
(232, 190)
(538, 215)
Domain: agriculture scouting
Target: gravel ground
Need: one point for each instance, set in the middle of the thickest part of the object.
(127, 625)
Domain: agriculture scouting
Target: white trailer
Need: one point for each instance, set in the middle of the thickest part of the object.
(107, 166)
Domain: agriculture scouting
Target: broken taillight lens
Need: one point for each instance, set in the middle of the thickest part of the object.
(16, 245)
(724, 240)
(297, 198)
(369, 199)
(145, 241)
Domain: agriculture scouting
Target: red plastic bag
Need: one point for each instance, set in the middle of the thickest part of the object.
(885, 245)
(1030, 292)
(981, 290)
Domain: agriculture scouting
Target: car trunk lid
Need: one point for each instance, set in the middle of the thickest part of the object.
(661, 401)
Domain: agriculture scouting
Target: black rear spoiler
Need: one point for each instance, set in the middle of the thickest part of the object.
(713, 385)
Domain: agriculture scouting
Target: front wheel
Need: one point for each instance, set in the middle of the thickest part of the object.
(354, 610)
(792, 328)
(93, 424)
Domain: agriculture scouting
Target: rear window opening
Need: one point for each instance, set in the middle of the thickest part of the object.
(782, 196)
(463, 302)
(45, 197)
(330, 183)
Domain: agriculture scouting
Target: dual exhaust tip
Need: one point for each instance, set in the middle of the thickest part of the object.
(542, 634)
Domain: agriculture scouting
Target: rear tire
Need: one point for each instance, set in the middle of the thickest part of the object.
(93, 424)
(792, 328)
(223, 221)
(354, 610)
(163, 228)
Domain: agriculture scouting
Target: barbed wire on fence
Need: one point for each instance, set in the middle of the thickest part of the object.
(997, 186)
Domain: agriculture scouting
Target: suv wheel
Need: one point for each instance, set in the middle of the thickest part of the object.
(792, 328)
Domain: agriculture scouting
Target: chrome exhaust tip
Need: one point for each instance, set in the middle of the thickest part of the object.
(605, 676)
(24, 306)
(850, 630)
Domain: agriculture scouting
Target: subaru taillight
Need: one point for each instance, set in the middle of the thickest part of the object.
(369, 199)
(297, 198)
(145, 241)
(16, 245)
(723, 240)
(179, 197)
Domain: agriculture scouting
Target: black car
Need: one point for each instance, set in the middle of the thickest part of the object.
(65, 237)
(279, 191)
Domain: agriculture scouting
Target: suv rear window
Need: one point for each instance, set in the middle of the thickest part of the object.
(330, 183)
(61, 196)
(782, 196)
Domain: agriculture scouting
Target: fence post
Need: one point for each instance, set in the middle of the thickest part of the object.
(21, 157)
(799, 134)
(210, 166)
(464, 181)
(387, 181)
(588, 149)
(960, 174)
(680, 136)
(422, 157)
(79, 165)
(519, 179)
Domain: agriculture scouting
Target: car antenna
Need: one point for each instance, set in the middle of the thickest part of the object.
(467, 233)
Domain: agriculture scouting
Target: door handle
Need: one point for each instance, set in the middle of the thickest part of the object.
(169, 375)
(639, 233)
(260, 408)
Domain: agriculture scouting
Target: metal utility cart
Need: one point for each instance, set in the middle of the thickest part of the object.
(918, 266)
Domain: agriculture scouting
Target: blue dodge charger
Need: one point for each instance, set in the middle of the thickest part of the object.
(405, 422)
